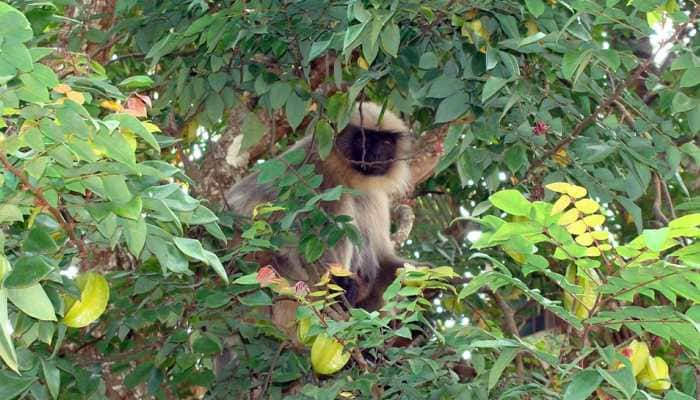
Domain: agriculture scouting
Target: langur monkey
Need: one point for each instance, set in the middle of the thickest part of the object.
(369, 155)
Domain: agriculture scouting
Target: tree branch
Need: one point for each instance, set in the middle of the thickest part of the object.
(603, 108)
(42, 202)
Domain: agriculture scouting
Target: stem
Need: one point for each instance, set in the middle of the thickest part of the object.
(42, 202)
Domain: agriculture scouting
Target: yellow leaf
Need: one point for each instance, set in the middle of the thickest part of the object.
(362, 63)
(604, 247)
(339, 270)
(111, 105)
(76, 96)
(559, 187)
(561, 157)
(333, 286)
(594, 220)
(516, 256)
(576, 191)
(584, 239)
(62, 88)
(587, 206)
(576, 228)
(131, 140)
(600, 235)
(561, 204)
(532, 27)
(569, 217)
(592, 252)
(151, 127)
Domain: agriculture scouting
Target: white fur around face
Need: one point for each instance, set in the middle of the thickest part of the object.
(370, 118)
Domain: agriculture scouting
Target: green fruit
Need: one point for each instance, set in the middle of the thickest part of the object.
(655, 375)
(327, 355)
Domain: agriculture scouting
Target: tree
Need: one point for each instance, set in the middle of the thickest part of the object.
(555, 191)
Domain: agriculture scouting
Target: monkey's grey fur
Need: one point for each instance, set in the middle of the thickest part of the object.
(374, 262)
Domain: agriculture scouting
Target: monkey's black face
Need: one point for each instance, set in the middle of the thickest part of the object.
(371, 152)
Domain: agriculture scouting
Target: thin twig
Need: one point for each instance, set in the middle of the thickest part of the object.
(603, 108)
(42, 202)
(656, 207)
(273, 364)
(510, 326)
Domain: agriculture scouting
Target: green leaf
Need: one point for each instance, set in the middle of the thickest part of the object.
(135, 234)
(686, 221)
(7, 348)
(39, 241)
(33, 301)
(138, 375)
(130, 210)
(33, 90)
(253, 130)
(691, 77)
(52, 376)
(515, 157)
(191, 247)
(503, 361)
(317, 48)
(15, 26)
(16, 54)
(633, 210)
(271, 170)
(136, 82)
(296, 109)
(168, 255)
(28, 270)
(536, 7)
(215, 107)
(428, 60)
(217, 81)
(512, 202)
(313, 249)
(610, 57)
(622, 379)
(131, 123)
(249, 279)
(531, 39)
(694, 120)
(207, 344)
(352, 33)
(452, 107)
(214, 262)
(116, 189)
(12, 385)
(655, 238)
(10, 212)
(324, 138)
(682, 103)
(491, 87)
(390, 39)
(256, 299)
(583, 384)
(279, 93)
(116, 148)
